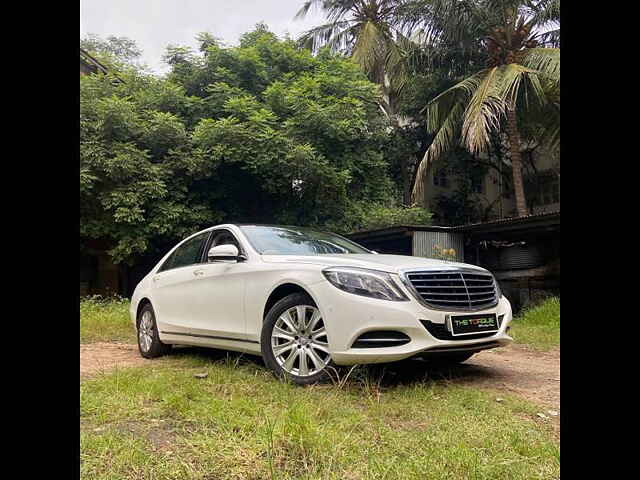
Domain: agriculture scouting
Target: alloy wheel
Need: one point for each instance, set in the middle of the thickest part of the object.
(299, 341)
(145, 331)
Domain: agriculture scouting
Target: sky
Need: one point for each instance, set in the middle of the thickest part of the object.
(154, 24)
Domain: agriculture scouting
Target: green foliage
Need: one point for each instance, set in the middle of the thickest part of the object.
(261, 132)
(539, 325)
(460, 204)
(370, 217)
(122, 48)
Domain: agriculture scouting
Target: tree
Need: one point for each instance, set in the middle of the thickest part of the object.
(366, 30)
(123, 49)
(262, 132)
(519, 75)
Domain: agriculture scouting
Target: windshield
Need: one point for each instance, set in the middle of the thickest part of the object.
(297, 241)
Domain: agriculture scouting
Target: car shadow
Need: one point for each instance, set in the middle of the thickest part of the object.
(385, 375)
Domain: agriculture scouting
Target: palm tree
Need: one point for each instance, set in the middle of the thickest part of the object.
(367, 30)
(364, 29)
(520, 75)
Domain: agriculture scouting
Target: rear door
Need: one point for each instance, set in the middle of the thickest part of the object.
(173, 286)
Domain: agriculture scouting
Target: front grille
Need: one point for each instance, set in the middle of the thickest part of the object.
(454, 290)
(439, 331)
(381, 339)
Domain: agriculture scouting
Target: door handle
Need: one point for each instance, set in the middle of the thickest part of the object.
(156, 278)
(197, 273)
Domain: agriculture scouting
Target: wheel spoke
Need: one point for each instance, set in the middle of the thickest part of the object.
(278, 350)
(304, 369)
(288, 321)
(319, 334)
(301, 315)
(317, 346)
(314, 320)
(315, 359)
(288, 364)
(280, 333)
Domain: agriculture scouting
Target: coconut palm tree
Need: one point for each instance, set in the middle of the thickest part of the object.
(364, 29)
(520, 74)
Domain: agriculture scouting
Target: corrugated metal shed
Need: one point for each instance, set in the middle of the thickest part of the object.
(424, 243)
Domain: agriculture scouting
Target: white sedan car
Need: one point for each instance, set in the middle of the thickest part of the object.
(306, 300)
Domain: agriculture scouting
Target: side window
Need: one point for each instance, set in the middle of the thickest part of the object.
(186, 254)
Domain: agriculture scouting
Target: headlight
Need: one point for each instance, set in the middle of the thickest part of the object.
(369, 283)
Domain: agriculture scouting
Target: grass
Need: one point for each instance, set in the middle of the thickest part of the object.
(539, 326)
(160, 422)
(105, 320)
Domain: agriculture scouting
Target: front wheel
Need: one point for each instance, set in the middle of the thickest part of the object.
(294, 340)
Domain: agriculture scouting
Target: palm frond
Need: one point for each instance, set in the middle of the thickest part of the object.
(544, 60)
(370, 50)
(337, 35)
(483, 113)
(511, 78)
(444, 114)
(546, 12)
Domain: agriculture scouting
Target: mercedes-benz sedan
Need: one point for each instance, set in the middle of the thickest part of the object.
(307, 300)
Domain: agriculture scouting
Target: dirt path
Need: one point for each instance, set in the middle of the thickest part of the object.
(515, 369)
(531, 374)
(102, 357)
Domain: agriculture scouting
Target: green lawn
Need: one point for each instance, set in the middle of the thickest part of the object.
(105, 320)
(160, 422)
(539, 326)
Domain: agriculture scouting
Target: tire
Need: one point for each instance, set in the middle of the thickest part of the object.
(451, 358)
(280, 340)
(152, 347)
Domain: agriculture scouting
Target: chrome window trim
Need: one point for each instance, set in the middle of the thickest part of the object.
(407, 283)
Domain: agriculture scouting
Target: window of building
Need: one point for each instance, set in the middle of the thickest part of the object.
(477, 185)
(440, 178)
(549, 189)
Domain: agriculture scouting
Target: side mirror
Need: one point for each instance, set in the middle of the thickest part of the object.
(225, 252)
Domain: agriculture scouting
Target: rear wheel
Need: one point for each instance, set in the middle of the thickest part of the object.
(149, 343)
(294, 340)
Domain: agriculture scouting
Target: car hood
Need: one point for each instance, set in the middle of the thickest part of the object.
(387, 263)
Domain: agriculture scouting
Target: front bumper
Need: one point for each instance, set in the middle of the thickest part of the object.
(347, 316)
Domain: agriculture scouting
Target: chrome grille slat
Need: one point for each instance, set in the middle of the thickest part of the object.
(455, 289)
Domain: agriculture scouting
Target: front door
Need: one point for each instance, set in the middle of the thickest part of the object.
(174, 286)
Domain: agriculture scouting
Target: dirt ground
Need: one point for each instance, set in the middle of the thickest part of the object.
(514, 369)
(102, 357)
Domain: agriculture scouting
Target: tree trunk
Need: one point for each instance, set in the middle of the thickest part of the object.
(388, 108)
(516, 162)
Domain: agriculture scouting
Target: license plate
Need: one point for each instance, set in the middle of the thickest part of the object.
(471, 324)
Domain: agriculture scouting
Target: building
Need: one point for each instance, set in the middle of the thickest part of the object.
(492, 192)
(522, 252)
